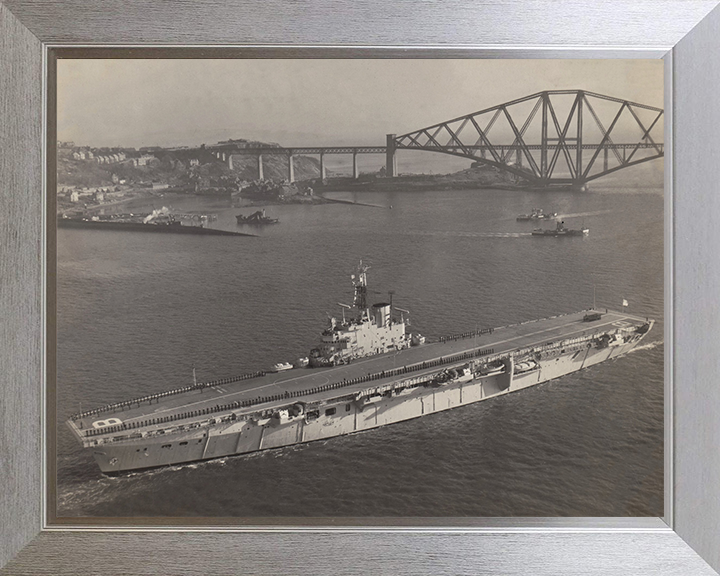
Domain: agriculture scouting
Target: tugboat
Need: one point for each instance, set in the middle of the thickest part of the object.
(560, 230)
(256, 218)
(536, 214)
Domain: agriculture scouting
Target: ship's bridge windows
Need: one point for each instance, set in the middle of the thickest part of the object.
(183, 443)
(166, 446)
(330, 411)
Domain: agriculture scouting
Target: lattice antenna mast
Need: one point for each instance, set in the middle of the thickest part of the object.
(360, 282)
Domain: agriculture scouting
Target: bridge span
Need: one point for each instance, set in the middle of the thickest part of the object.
(549, 138)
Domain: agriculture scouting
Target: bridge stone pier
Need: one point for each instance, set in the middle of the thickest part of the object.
(322, 165)
(291, 168)
(261, 175)
(356, 170)
(390, 160)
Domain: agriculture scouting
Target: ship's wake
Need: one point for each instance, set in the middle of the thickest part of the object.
(648, 346)
(583, 214)
(459, 234)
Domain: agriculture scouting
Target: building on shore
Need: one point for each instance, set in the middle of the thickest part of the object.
(143, 160)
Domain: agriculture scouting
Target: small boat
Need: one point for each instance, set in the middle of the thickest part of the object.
(303, 362)
(560, 230)
(256, 218)
(281, 367)
(536, 214)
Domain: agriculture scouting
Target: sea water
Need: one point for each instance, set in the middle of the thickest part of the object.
(137, 312)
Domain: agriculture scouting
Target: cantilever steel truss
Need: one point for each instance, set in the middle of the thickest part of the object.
(560, 145)
(547, 138)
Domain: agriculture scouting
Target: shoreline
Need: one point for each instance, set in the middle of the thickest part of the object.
(411, 185)
(366, 183)
(471, 179)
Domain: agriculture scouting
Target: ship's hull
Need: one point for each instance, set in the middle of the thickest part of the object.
(534, 218)
(142, 227)
(349, 416)
(561, 232)
(556, 233)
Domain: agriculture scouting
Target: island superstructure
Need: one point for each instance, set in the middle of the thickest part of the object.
(368, 331)
(368, 371)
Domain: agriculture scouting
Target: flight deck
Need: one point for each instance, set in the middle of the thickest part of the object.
(310, 385)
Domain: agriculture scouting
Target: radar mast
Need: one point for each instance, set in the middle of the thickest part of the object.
(360, 283)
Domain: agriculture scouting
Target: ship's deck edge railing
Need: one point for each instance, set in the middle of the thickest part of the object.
(442, 361)
(201, 385)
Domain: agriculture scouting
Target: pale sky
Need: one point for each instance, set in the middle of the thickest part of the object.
(311, 102)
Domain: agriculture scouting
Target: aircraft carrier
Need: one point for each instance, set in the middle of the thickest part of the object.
(369, 370)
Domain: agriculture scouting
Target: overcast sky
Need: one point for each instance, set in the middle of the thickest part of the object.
(311, 102)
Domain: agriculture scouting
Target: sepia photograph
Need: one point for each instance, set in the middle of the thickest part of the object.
(358, 288)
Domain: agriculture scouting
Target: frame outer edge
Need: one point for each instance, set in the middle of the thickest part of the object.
(669, 336)
(697, 305)
(401, 554)
(21, 209)
(374, 22)
(20, 272)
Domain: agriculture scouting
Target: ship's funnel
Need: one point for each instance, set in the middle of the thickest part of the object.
(382, 314)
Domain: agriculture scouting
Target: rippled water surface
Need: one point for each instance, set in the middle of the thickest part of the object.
(137, 311)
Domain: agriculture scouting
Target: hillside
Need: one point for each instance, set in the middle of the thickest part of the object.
(194, 171)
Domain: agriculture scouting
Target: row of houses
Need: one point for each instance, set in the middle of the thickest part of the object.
(143, 160)
(112, 158)
(105, 159)
(97, 194)
(76, 196)
(82, 155)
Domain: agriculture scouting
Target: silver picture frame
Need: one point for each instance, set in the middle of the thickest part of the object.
(684, 32)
